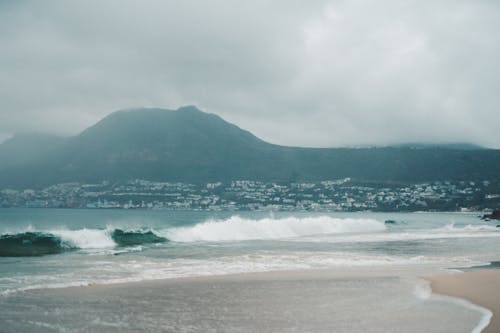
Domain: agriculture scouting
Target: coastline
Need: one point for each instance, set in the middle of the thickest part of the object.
(478, 286)
(344, 300)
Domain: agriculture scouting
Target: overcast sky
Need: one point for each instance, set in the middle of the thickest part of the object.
(306, 73)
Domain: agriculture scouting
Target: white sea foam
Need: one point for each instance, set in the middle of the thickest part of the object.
(446, 232)
(132, 270)
(422, 289)
(486, 313)
(469, 227)
(305, 229)
(309, 229)
(86, 238)
(236, 228)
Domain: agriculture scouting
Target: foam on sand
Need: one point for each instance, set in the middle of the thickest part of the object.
(476, 289)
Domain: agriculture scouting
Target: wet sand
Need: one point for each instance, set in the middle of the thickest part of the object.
(481, 287)
(346, 301)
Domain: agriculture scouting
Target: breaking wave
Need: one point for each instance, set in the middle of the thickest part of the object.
(27, 244)
(32, 244)
(237, 229)
(130, 238)
(469, 227)
(232, 229)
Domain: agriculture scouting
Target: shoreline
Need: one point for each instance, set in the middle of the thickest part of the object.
(477, 286)
(319, 300)
(276, 274)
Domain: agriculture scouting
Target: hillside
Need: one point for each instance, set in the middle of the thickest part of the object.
(26, 148)
(188, 145)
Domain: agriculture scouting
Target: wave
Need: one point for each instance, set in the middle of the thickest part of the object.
(238, 229)
(30, 243)
(235, 228)
(449, 231)
(469, 227)
(130, 238)
(87, 238)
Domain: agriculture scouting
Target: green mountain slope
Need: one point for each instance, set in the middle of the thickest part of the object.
(189, 145)
(25, 148)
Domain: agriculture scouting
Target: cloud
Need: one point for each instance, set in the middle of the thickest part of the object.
(308, 73)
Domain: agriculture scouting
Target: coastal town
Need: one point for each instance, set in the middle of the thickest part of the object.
(329, 195)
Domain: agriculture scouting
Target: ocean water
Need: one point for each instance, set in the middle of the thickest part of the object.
(44, 251)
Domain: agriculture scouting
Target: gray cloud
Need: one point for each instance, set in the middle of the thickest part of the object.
(308, 73)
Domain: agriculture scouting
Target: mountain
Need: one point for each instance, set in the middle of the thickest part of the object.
(189, 145)
(458, 146)
(26, 147)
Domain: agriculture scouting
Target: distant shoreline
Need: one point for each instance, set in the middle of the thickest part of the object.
(261, 210)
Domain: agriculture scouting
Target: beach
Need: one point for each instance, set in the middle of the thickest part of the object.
(285, 272)
(480, 287)
(346, 300)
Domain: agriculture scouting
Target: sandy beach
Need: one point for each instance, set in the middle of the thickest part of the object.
(481, 287)
(347, 300)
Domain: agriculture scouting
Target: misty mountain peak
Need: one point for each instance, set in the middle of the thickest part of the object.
(190, 145)
(189, 108)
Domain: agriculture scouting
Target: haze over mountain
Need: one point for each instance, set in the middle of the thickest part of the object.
(189, 145)
(330, 73)
(26, 147)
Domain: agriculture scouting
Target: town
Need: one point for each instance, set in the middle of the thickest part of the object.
(329, 195)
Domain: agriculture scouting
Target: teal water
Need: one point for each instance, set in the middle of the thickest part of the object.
(112, 246)
(205, 243)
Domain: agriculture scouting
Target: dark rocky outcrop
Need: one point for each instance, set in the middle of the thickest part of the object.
(495, 215)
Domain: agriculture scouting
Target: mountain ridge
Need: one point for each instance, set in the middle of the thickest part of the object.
(189, 145)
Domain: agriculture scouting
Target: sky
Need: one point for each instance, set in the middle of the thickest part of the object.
(301, 73)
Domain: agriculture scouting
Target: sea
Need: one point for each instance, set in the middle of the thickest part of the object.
(48, 250)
